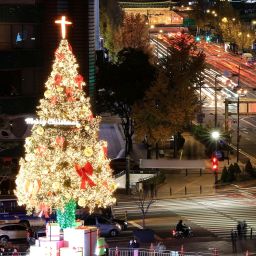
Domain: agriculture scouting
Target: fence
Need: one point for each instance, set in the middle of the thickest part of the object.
(118, 251)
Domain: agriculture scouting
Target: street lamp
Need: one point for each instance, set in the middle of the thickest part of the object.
(239, 92)
(215, 135)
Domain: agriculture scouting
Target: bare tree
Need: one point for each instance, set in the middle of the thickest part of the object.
(143, 202)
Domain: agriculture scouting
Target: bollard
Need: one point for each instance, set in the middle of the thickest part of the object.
(182, 250)
(200, 189)
(116, 251)
(170, 191)
(251, 234)
(185, 190)
(215, 252)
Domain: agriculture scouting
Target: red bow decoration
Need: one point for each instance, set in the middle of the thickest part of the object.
(60, 56)
(58, 79)
(60, 140)
(54, 99)
(40, 150)
(79, 79)
(90, 117)
(44, 211)
(69, 93)
(83, 172)
(69, 47)
(105, 150)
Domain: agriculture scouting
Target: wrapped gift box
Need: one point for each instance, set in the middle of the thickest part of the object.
(71, 252)
(43, 251)
(53, 230)
(81, 237)
(47, 243)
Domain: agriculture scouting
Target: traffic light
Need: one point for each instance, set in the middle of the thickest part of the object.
(214, 163)
(198, 38)
(208, 39)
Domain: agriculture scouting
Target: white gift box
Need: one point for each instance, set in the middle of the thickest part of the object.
(53, 231)
(82, 237)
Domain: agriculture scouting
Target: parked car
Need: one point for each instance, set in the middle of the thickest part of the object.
(12, 231)
(106, 227)
(119, 164)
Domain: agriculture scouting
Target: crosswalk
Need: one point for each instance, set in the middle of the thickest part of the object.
(218, 214)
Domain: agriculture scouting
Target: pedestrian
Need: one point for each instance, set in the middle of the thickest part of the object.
(15, 252)
(2, 251)
(244, 229)
(135, 244)
(239, 230)
(160, 247)
(130, 246)
(233, 239)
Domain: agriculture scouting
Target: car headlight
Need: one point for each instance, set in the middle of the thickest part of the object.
(126, 223)
(118, 226)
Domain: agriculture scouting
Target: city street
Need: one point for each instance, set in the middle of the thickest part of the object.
(211, 218)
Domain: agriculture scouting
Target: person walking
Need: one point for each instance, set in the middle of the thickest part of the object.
(233, 240)
(239, 230)
(244, 229)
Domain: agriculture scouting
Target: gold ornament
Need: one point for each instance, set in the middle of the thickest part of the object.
(40, 130)
(88, 152)
(48, 94)
(81, 202)
(60, 89)
(56, 186)
(29, 157)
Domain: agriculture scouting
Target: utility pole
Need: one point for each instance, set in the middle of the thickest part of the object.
(127, 175)
(215, 101)
(238, 117)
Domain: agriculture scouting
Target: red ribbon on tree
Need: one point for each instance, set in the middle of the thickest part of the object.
(70, 47)
(105, 150)
(58, 79)
(40, 150)
(69, 93)
(44, 211)
(60, 140)
(84, 173)
(60, 56)
(79, 79)
(54, 100)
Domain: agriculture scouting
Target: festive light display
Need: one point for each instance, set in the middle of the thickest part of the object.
(65, 164)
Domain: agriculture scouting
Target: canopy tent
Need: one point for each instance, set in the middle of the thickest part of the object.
(171, 164)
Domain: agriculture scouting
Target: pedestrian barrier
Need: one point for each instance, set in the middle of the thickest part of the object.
(119, 251)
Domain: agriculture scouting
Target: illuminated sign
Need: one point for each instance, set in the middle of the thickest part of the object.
(33, 121)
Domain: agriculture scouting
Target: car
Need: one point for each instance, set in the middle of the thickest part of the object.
(106, 227)
(119, 164)
(121, 222)
(12, 232)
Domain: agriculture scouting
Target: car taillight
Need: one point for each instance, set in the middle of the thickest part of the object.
(173, 232)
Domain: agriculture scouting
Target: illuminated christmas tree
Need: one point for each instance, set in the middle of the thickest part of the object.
(64, 163)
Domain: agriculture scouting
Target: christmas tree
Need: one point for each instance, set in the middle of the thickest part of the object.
(64, 161)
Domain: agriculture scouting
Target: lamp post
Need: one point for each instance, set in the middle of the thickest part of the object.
(215, 100)
(215, 135)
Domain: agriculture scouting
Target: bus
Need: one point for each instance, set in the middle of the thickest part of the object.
(11, 212)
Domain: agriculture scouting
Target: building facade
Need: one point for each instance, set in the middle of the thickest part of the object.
(28, 39)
